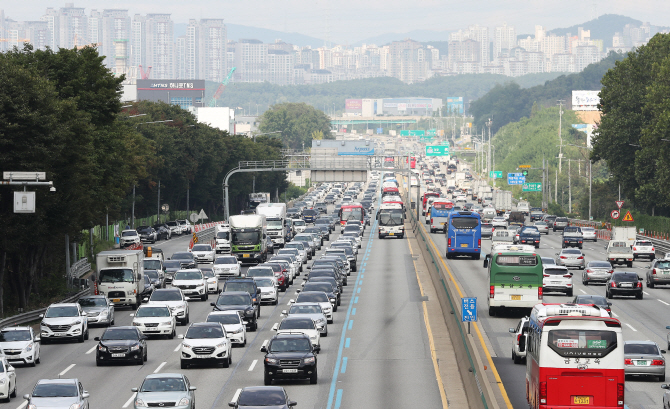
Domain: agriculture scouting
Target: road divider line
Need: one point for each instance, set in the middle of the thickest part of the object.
(23, 405)
(358, 290)
(160, 367)
(178, 348)
(353, 312)
(347, 343)
(631, 327)
(663, 302)
(236, 396)
(645, 293)
(129, 401)
(67, 369)
(344, 365)
(253, 364)
(338, 399)
(356, 300)
(583, 292)
(90, 351)
(351, 324)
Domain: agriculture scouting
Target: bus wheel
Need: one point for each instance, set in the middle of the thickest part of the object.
(492, 311)
(477, 256)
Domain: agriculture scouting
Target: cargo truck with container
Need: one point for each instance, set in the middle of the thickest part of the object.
(120, 276)
(275, 216)
(625, 233)
(249, 238)
(502, 201)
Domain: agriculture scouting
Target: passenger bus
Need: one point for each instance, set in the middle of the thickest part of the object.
(390, 191)
(515, 280)
(464, 235)
(412, 162)
(439, 215)
(424, 199)
(575, 358)
(390, 219)
(351, 211)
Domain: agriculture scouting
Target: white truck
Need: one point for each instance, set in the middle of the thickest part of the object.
(120, 276)
(459, 176)
(275, 215)
(222, 238)
(483, 190)
(502, 201)
(625, 233)
(523, 207)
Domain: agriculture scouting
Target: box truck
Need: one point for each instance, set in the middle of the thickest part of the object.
(249, 238)
(275, 216)
(120, 276)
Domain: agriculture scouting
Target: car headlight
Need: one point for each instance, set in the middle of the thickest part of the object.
(136, 324)
(271, 361)
(140, 403)
(183, 402)
(3, 381)
(166, 323)
(102, 348)
(76, 406)
(135, 348)
(76, 322)
(309, 360)
(320, 321)
(237, 331)
(249, 312)
(29, 347)
(104, 313)
(185, 345)
(221, 345)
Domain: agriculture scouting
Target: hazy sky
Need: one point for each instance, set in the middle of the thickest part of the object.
(353, 20)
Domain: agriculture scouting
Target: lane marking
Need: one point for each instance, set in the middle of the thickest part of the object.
(338, 400)
(66, 369)
(645, 293)
(358, 290)
(631, 327)
(347, 343)
(344, 365)
(236, 395)
(360, 282)
(129, 401)
(253, 364)
(90, 351)
(179, 347)
(583, 292)
(160, 367)
(351, 324)
(663, 302)
(353, 312)
(361, 275)
(23, 405)
(356, 300)
(615, 314)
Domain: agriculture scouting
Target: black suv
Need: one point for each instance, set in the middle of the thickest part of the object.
(186, 259)
(245, 284)
(624, 283)
(290, 356)
(239, 301)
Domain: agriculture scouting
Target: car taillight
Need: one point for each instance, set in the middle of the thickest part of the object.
(539, 293)
(449, 242)
(652, 249)
(619, 394)
(653, 271)
(492, 291)
(612, 284)
(518, 337)
(588, 271)
(639, 284)
(431, 220)
(546, 275)
(567, 275)
(479, 243)
(543, 392)
(658, 362)
(634, 248)
(611, 271)
(563, 257)
(628, 362)
(580, 258)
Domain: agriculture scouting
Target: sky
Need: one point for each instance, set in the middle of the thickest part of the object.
(349, 21)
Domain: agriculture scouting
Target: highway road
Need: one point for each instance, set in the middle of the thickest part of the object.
(644, 319)
(376, 354)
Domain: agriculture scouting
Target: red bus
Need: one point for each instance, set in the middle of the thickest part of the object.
(575, 358)
(390, 191)
(412, 162)
(351, 211)
(425, 197)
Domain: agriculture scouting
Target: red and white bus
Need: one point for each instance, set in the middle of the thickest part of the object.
(412, 162)
(351, 211)
(574, 358)
(424, 199)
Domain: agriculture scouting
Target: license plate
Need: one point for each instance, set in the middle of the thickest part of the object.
(443, 223)
(246, 255)
(626, 284)
(151, 330)
(391, 234)
(464, 245)
(116, 300)
(60, 334)
(641, 363)
(516, 298)
(203, 356)
(581, 400)
(118, 355)
(290, 370)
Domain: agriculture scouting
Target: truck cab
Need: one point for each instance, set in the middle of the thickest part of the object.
(120, 276)
(222, 239)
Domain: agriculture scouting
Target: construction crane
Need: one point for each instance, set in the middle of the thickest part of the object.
(145, 75)
(222, 86)
(11, 40)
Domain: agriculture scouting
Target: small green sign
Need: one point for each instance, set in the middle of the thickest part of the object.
(532, 187)
(495, 174)
(412, 132)
(431, 132)
(596, 343)
(437, 150)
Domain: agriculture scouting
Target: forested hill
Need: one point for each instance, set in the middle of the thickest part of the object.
(510, 102)
(331, 96)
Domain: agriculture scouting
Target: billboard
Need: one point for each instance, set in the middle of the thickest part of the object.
(353, 104)
(455, 105)
(585, 100)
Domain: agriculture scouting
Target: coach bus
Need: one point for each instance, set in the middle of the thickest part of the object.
(575, 358)
(515, 280)
(351, 211)
(390, 218)
(464, 235)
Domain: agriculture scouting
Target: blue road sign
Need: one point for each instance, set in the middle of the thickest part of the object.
(469, 309)
(516, 179)
(380, 131)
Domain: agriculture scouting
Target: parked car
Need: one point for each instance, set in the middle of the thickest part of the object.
(163, 231)
(129, 238)
(147, 234)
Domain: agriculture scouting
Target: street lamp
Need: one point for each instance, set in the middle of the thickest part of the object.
(488, 159)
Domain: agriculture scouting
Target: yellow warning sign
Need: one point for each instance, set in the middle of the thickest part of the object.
(628, 217)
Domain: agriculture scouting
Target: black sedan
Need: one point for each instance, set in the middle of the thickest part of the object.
(624, 283)
(263, 396)
(121, 344)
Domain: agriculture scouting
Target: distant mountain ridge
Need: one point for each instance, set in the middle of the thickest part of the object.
(237, 32)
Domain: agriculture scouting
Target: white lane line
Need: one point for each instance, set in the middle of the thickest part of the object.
(253, 364)
(645, 293)
(23, 405)
(583, 292)
(66, 369)
(631, 327)
(236, 395)
(160, 367)
(129, 401)
(661, 301)
(615, 314)
(179, 347)
(90, 351)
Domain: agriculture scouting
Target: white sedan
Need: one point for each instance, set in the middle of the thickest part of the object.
(499, 222)
(461, 198)
(227, 266)
(155, 320)
(212, 281)
(7, 380)
(203, 253)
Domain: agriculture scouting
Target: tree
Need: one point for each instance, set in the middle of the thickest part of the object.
(297, 122)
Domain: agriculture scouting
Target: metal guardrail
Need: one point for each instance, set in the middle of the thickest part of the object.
(661, 246)
(34, 315)
(81, 267)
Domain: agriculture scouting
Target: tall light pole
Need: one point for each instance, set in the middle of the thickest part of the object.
(560, 137)
(488, 159)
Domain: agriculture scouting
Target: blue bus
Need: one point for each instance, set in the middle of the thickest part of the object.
(464, 235)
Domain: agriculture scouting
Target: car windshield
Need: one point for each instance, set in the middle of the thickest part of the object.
(226, 260)
(297, 324)
(92, 302)
(251, 237)
(152, 264)
(15, 335)
(172, 264)
(290, 345)
(169, 295)
(202, 247)
(59, 312)
(129, 233)
(299, 223)
(153, 312)
(260, 272)
(305, 309)
(325, 287)
(265, 282)
(151, 274)
(163, 385)
(120, 334)
(664, 264)
(233, 299)
(209, 331)
(225, 319)
(223, 235)
(116, 275)
(54, 390)
(644, 349)
(643, 243)
(182, 256)
(312, 297)
(188, 275)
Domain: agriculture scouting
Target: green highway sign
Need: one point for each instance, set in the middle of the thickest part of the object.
(431, 132)
(495, 174)
(412, 132)
(437, 150)
(532, 187)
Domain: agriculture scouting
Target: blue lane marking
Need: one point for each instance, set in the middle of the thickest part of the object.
(351, 324)
(358, 290)
(365, 264)
(346, 344)
(361, 275)
(353, 312)
(356, 300)
(338, 400)
(344, 368)
(360, 282)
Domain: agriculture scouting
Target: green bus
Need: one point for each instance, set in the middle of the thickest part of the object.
(515, 280)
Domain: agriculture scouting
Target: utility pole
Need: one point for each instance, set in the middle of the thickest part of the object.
(590, 179)
(488, 124)
(556, 188)
(132, 224)
(544, 186)
(560, 137)
(569, 189)
(158, 204)
(188, 193)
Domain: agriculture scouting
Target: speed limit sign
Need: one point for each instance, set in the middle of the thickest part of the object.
(615, 214)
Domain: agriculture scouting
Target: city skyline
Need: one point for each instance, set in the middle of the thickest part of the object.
(351, 22)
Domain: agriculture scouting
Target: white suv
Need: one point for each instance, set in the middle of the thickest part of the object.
(174, 299)
(205, 342)
(297, 324)
(128, 238)
(643, 248)
(64, 320)
(191, 282)
(557, 278)
(20, 344)
(155, 320)
(520, 334)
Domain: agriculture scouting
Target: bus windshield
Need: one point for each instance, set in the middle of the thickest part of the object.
(390, 217)
(351, 213)
(581, 343)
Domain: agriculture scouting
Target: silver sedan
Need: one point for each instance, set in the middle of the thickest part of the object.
(589, 233)
(542, 227)
(571, 257)
(597, 272)
(644, 358)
